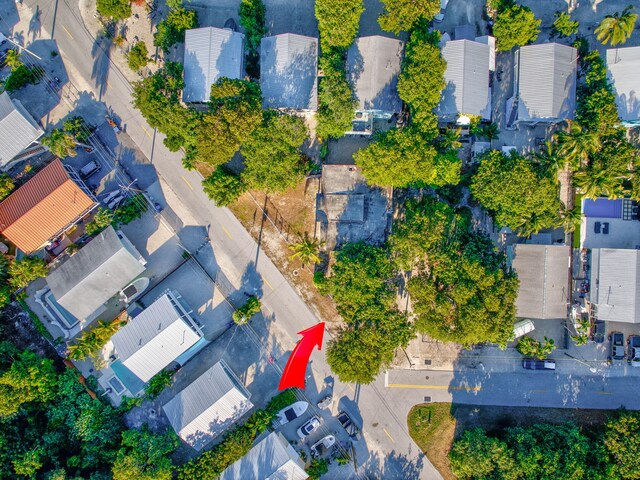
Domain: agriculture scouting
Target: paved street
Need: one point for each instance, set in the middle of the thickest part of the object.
(234, 257)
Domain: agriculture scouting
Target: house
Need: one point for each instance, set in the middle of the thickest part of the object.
(18, 130)
(466, 78)
(289, 72)
(208, 406)
(82, 285)
(209, 54)
(271, 458)
(49, 204)
(623, 65)
(543, 271)
(544, 84)
(610, 223)
(152, 340)
(373, 66)
(615, 285)
(348, 210)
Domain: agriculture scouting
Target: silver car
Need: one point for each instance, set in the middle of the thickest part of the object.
(616, 342)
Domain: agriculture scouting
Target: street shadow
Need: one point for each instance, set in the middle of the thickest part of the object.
(394, 466)
(100, 52)
(251, 282)
(35, 25)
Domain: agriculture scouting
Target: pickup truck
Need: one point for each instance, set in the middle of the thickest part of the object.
(351, 428)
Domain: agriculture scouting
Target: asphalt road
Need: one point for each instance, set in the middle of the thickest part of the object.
(389, 451)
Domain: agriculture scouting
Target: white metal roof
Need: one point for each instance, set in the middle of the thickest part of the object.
(209, 54)
(623, 65)
(615, 284)
(97, 272)
(155, 338)
(273, 458)
(18, 129)
(208, 406)
(467, 79)
(547, 82)
(289, 71)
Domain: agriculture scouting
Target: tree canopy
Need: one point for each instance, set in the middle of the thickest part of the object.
(519, 195)
(617, 28)
(272, 157)
(60, 143)
(114, 9)
(138, 56)
(338, 22)
(144, 456)
(515, 26)
(403, 15)
(336, 105)
(563, 25)
(171, 30)
(223, 186)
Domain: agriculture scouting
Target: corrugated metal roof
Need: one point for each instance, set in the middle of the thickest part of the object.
(42, 207)
(466, 78)
(373, 65)
(96, 273)
(543, 274)
(17, 129)
(207, 407)
(154, 339)
(273, 458)
(209, 54)
(289, 71)
(615, 284)
(623, 65)
(547, 82)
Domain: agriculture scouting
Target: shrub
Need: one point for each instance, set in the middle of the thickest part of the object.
(6, 185)
(248, 310)
(138, 56)
(317, 468)
(171, 30)
(24, 271)
(101, 220)
(114, 9)
(19, 78)
(529, 347)
(129, 210)
(158, 383)
(223, 186)
(91, 341)
(563, 25)
(280, 401)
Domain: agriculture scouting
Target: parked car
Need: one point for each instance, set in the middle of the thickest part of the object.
(634, 350)
(89, 169)
(291, 412)
(351, 428)
(533, 364)
(616, 342)
(321, 447)
(116, 201)
(309, 427)
(598, 331)
(106, 200)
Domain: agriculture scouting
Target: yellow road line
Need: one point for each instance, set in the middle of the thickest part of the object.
(227, 232)
(437, 387)
(266, 281)
(145, 130)
(68, 32)
(187, 182)
(388, 435)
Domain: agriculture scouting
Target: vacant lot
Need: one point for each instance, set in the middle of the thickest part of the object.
(434, 426)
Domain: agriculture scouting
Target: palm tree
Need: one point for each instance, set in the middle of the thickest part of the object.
(307, 250)
(60, 143)
(569, 218)
(491, 131)
(530, 225)
(13, 59)
(594, 184)
(549, 158)
(616, 28)
(450, 139)
(577, 145)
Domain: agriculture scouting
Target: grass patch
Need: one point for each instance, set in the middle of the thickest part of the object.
(37, 323)
(432, 427)
(576, 233)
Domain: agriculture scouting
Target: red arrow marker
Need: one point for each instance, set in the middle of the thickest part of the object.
(294, 372)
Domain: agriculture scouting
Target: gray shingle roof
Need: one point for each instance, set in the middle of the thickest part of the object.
(288, 72)
(623, 65)
(547, 82)
(273, 458)
(207, 406)
(615, 284)
(543, 274)
(467, 79)
(155, 338)
(94, 274)
(373, 65)
(18, 129)
(209, 54)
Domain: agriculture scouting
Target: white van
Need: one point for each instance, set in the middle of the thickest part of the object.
(522, 328)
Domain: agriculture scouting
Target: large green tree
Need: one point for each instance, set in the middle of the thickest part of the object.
(60, 143)
(405, 157)
(144, 456)
(252, 17)
(515, 26)
(515, 191)
(617, 28)
(223, 186)
(171, 30)
(336, 105)
(622, 441)
(338, 22)
(24, 271)
(404, 15)
(477, 456)
(272, 154)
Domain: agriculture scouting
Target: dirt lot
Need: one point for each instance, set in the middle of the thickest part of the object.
(290, 214)
(433, 426)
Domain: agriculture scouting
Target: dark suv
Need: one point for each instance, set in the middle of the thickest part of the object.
(532, 364)
(616, 343)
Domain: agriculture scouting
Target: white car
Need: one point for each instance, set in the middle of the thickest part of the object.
(291, 412)
(308, 428)
(440, 16)
(634, 350)
(321, 447)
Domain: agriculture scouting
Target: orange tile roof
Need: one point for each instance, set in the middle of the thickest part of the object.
(41, 208)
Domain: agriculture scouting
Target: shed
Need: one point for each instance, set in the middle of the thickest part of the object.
(156, 337)
(88, 279)
(18, 129)
(209, 54)
(208, 406)
(623, 67)
(289, 72)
